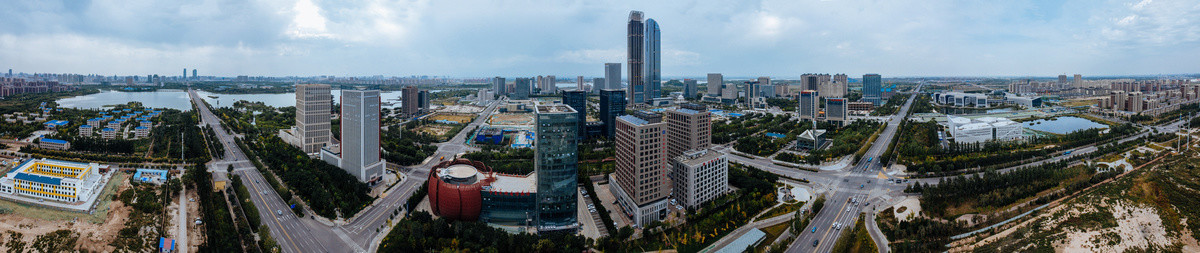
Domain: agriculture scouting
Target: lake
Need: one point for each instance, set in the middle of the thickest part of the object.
(178, 99)
(1063, 125)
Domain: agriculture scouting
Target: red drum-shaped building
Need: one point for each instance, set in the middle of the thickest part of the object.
(454, 188)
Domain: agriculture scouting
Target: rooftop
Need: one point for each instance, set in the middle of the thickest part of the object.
(698, 157)
(555, 108)
(512, 183)
(54, 141)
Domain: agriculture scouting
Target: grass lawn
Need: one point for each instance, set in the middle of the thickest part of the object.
(857, 240)
(781, 210)
(773, 233)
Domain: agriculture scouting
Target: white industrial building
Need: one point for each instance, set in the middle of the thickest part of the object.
(966, 130)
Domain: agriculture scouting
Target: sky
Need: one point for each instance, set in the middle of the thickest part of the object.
(780, 38)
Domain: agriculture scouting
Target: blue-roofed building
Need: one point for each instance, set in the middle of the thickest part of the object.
(56, 123)
(86, 130)
(150, 176)
(750, 238)
(141, 132)
(145, 123)
(95, 121)
(53, 180)
(55, 144)
(108, 133)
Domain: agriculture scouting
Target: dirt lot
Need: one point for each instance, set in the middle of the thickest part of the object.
(109, 218)
(437, 130)
(461, 118)
(511, 119)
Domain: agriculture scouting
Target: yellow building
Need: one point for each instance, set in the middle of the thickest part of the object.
(53, 180)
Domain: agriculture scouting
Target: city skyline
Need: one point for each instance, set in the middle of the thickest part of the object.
(479, 39)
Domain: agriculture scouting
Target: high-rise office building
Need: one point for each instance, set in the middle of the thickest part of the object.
(714, 84)
(184, 73)
(193, 73)
(551, 85)
(359, 150)
(689, 88)
(751, 92)
(698, 176)
(579, 83)
(520, 89)
(653, 62)
(411, 99)
(423, 100)
(640, 181)
(688, 128)
(1062, 79)
(1078, 81)
(872, 89)
(835, 110)
(555, 162)
(597, 85)
(612, 77)
(498, 86)
(577, 99)
(635, 93)
(808, 105)
(313, 106)
(612, 105)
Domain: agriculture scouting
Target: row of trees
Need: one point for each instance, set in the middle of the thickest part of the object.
(993, 189)
(219, 230)
(329, 190)
(401, 146)
(421, 232)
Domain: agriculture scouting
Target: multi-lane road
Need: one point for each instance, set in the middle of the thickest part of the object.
(295, 234)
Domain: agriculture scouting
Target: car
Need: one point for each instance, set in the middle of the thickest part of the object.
(814, 229)
(279, 212)
(815, 243)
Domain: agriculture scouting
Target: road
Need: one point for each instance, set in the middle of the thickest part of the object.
(852, 194)
(294, 234)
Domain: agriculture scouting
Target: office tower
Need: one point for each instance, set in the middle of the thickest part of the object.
(423, 100)
(714, 84)
(551, 85)
(555, 160)
(184, 73)
(498, 86)
(729, 92)
(872, 88)
(577, 99)
(653, 60)
(699, 176)
(835, 110)
(149, 79)
(764, 88)
(688, 128)
(360, 134)
(193, 73)
(612, 105)
(810, 81)
(1062, 79)
(1078, 81)
(612, 77)
(751, 93)
(411, 99)
(764, 80)
(313, 106)
(689, 88)
(597, 85)
(635, 93)
(520, 89)
(540, 83)
(10, 73)
(640, 181)
(579, 83)
(808, 105)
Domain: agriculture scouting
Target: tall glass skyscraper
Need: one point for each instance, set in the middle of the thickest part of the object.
(555, 162)
(872, 86)
(653, 61)
(637, 80)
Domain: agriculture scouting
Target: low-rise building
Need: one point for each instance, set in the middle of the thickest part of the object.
(146, 123)
(141, 132)
(966, 130)
(55, 144)
(961, 99)
(699, 176)
(810, 139)
(85, 130)
(54, 124)
(53, 180)
(108, 133)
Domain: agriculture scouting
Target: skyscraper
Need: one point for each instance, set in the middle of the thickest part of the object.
(597, 85)
(689, 88)
(423, 100)
(872, 87)
(359, 154)
(842, 78)
(688, 128)
(411, 99)
(193, 73)
(612, 105)
(313, 104)
(714, 84)
(653, 62)
(835, 110)
(555, 160)
(1078, 81)
(808, 105)
(1062, 79)
(640, 181)
(577, 99)
(551, 85)
(520, 89)
(498, 86)
(636, 54)
(184, 73)
(579, 83)
(612, 77)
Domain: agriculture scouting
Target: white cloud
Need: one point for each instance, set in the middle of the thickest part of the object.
(307, 21)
